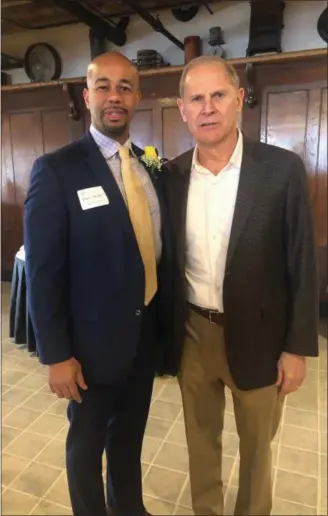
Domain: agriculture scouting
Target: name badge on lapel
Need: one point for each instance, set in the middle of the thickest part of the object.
(92, 197)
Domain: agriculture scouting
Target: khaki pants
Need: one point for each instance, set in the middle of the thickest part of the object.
(204, 375)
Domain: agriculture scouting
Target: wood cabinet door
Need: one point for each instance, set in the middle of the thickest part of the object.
(9, 215)
(158, 122)
(26, 135)
(295, 118)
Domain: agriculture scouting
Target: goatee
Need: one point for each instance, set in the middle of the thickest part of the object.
(114, 131)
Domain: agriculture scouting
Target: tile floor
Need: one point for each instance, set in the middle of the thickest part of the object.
(34, 427)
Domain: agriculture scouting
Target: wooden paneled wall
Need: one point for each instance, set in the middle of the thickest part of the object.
(291, 113)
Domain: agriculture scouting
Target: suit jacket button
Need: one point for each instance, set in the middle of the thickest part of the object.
(138, 312)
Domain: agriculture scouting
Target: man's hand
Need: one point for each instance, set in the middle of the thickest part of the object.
(291, 372)
(65, 378)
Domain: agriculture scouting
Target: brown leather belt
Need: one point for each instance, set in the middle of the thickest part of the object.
(212, 315)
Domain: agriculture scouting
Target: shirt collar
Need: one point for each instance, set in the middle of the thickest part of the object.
(235, 160)
(107, 146)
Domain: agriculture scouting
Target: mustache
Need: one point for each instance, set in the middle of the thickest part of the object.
(114, 108)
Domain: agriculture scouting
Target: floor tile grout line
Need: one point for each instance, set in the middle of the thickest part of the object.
(20, 406)
(62, 471)
(153, 417)
(232, 472)
(14, 455)
(24, 359)
(15, 351)
(296, 503)
(50, 501)
(39, 452)
(173, 421)
(152, 463)
(27, 375)
(162, 418)
(167, 381)
(35, 411)
(30, 409)
(160, 392)
(285, 470)
(300, 409)
(162, 388)
(180, 445)
(171, 470)
(274, 483)
(163, 400)
(21, 492)
(26, 399)
(31, 424)
(26, 429)
(301, 427)
(183, 488)
(44, 496)
(164, 440)
(235, 457)
(30, 461)
(11, 387)
(164, 500)
(59, 476)
(299, 449)
(39, 499)
(146, 472)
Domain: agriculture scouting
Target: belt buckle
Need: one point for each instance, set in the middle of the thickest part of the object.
(210, 316)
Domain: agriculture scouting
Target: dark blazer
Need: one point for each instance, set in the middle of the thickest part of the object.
(85, 277)
(270, 287)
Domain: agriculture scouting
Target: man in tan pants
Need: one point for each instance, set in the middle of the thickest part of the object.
(204, 375)
(245, 283)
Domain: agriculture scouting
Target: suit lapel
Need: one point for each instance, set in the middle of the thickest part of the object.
(251, 175)
(180, 174)
(99, 167)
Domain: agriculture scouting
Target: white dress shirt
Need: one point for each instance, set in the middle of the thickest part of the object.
(210, 210)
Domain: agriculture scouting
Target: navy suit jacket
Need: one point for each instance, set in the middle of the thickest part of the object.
(85, 276)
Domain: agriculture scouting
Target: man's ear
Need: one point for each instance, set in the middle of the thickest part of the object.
(181, 108)
(139, 96)
(240, 99)
(86, 97)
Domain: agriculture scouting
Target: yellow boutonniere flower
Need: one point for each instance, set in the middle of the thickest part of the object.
(151, 159)
(150, 152)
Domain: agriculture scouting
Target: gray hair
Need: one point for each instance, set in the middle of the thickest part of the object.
(228, 68)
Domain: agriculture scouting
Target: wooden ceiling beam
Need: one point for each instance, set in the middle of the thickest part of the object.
(32, 14)
(93, 20)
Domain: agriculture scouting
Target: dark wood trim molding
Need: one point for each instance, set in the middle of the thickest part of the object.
(285, 57)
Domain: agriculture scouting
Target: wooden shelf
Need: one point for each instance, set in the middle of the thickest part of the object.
(284, 57)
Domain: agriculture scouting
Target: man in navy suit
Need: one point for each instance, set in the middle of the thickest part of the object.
(86, 291)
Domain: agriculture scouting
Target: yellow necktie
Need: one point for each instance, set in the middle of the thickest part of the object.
(141, 221)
